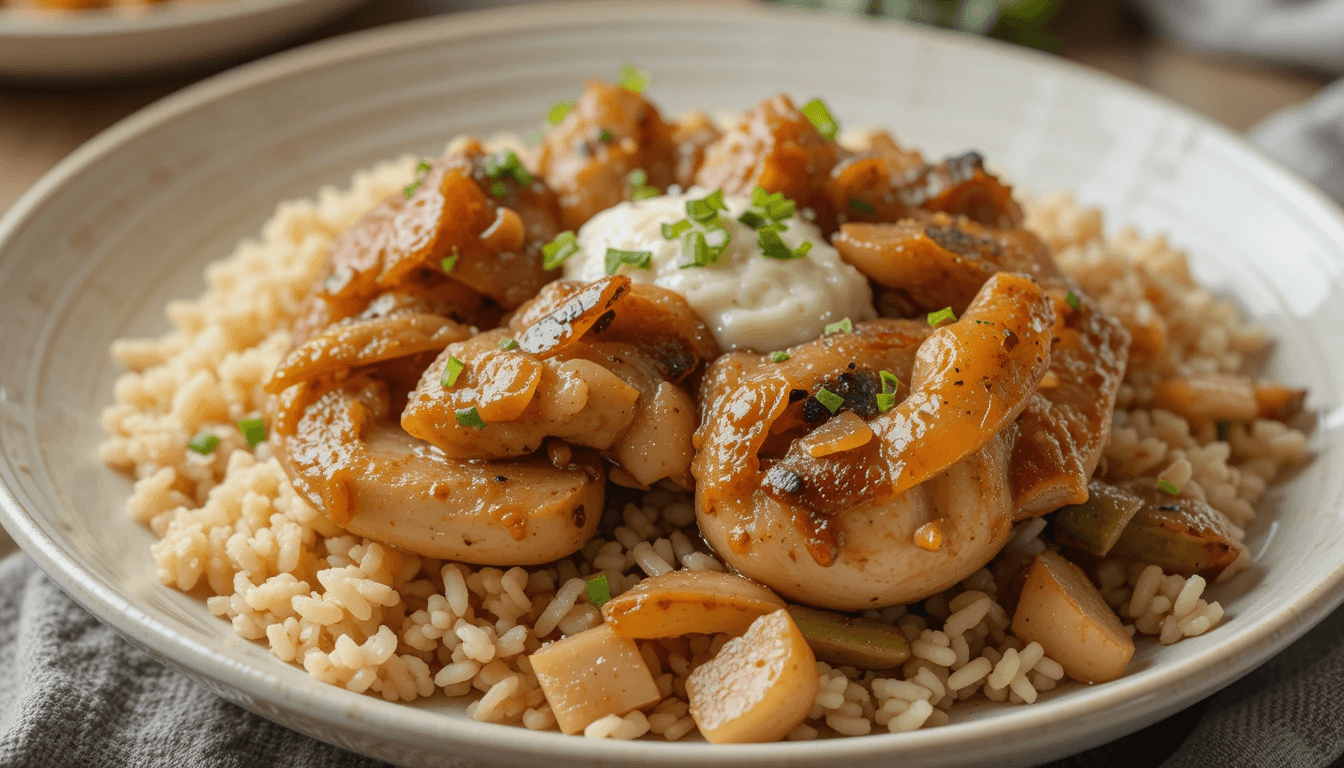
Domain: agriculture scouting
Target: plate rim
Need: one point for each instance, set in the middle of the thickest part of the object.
(1191, 679)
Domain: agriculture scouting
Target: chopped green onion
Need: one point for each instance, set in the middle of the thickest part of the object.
(451, 370)
(829, 399)
(204, 443)
(673, 231)
(498, 189)
(639, 189)
(778, 357)
(706, 210)
(695, 249)
(604, 136)
(558, 111)
(885, 401)
(816, 111)
(633, 78)
(448, 263)
(1224, 429)
(599, 590)
(775, 205)
(636, 259)
(773, 247)
(254, 431)
(554, 253)
(1072, 300)
(422, 169)
(508, 344)
(861, 206)
(945, 313)
(715, 251)
(841, 326)
(1167, 487)
(889, 382)
(752, 219)
(470, 418)
(506, 163)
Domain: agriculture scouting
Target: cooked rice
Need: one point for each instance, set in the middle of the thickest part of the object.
(362, 615)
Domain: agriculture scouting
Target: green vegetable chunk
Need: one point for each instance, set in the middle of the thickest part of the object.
(1095, 525)
(1182, 534)
(844, 640)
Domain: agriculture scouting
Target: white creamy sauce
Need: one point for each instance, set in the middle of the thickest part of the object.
(748, 301)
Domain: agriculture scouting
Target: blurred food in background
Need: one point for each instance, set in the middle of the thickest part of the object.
(1016, 21)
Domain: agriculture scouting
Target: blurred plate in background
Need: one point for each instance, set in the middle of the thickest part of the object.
(81, 46)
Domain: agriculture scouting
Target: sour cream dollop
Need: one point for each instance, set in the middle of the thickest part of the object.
(748, 301)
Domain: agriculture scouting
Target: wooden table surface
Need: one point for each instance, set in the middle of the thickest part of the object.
(39, 126)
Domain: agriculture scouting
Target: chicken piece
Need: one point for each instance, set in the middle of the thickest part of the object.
(656, 319)
(776, 147)
(347, 457)
(867, 186)
(961, 186)
(692, 134)
(937, 260)
(490, 217)
(587, 159)
(562, 378)
(358, 342)
(893, 519)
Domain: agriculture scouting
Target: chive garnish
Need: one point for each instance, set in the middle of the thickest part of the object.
(840, 326)
(1224, 429)
(599, 590)
(422, 169)
(816, 111)
(773, 247)
(508, 345)
(254, 431)
(1166, 487)
(498, 189)
(633, 78)
(752, 219)
(451, 370)
(706, 210)
(639, 189)
(1072, 299)
(470, 418)
(945, 313)
(829, 399)
(448, 263)
(204, 443)
(861, 206)
(778, 357)
(886, 399)
(558, 111)
(604, 136)
(673, 231)
(694, 249)
(554, 253)
(637, 259)
(506, 163)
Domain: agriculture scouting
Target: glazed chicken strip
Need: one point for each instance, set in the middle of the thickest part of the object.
(878, 548)
(609, 133)
(345, 454)
(479, 218)
(776, 147)
(940, 260)
(554, 374)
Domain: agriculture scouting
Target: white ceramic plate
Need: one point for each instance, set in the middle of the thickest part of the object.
(127, 222)
(99, 44)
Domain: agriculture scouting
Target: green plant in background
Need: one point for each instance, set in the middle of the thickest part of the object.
(1024, 22)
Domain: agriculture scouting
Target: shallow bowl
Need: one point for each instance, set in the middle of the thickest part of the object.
(127, 222)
